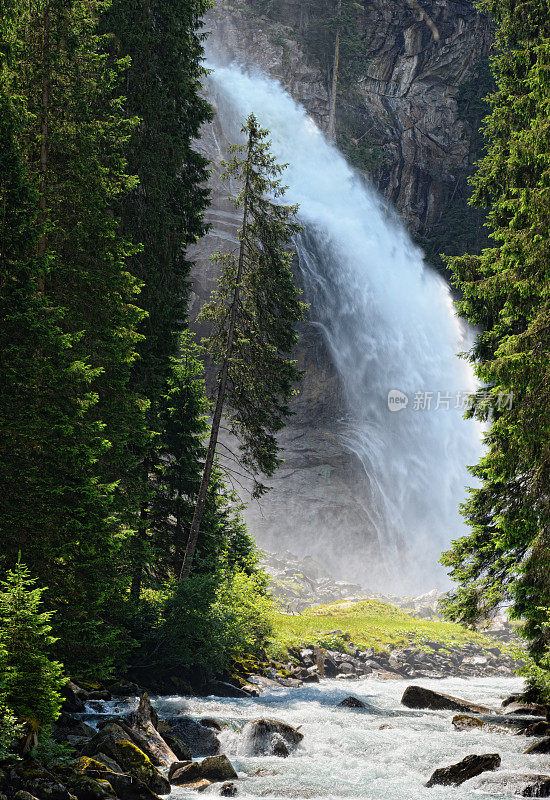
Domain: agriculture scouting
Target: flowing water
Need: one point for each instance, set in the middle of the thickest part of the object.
(346, 753)
(390, 326)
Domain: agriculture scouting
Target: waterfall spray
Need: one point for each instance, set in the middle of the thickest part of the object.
(392, 332)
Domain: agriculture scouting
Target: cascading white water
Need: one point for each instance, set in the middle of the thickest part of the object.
(390, 324)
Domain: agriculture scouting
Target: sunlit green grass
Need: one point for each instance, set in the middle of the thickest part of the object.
(369, 623)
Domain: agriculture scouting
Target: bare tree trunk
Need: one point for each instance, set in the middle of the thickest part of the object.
(331, 129)
(220, 399)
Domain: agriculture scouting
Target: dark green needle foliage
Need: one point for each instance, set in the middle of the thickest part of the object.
(506, 291)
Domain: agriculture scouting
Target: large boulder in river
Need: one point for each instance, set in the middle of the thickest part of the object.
(463, 722)
(201, 740)
(134, 762)
(269, 737)
(466, 769)
(419, 697)
(142, 725)
(352, 702)
(126, 787)
(212, 768)
(539, 747)
(528, 709)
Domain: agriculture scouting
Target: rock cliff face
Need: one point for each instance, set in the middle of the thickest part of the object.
(418, 56)
(410, 101)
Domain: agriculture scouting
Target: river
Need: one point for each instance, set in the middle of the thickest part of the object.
(347, 754)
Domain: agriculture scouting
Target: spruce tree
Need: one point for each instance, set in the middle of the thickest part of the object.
(164, 39)
(253, 314)
(68, 321)
(31, 681)
(506, 557)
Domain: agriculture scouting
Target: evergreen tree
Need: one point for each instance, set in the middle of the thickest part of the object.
(68, 320)
(506, 557)
(165, 212)
(31, 681)
(254, 312)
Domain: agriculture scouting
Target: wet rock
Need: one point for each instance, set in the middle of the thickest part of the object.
(528, 785)
(464, 770)
(540, 728)
(464, 722)
(217, 768)
(188, 773)
(86, 788)
(125, 689)
(418, 697)
(29, 776)
(228, 789)
(199, 739)
(142, 726)
(352, 702)
(539, 747)
(177, 765)
(134, 762)
(74, 698)
(69, 729)
(126, 787)
(265, 737)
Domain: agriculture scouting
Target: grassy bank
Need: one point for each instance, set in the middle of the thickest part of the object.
(369, 623)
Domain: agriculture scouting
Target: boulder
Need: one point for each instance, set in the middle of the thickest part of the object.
(200, 739)
(540, 728)
(217, 768)
(188, 773)
(418, 697)
(543, 746)
(464, 770)
(351, 702)
(31, 777)
(228, 789)
(22, 795)
(134, 762)
(126, 787)
(464, 722)
(74, 698)
(86, 788)
(529, 785)
(265, 737)
(142, 726)
(175, 766)
(69, 729)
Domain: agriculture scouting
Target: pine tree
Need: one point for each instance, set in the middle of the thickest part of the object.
(254, 312)
(164, 213)
(506, 557)
(31, 681)
(68, 320)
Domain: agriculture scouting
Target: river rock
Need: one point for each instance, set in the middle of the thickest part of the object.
(543, 746)
(419, 697)
(528, 709)
(528, 785)
(464, 770)
(126, 787)
(74, 698)
(464, 722)
(201, 740)
(72, 730)
(142, 725)
(266, 737)
(352, 702)
(228, 789)
(217, 768)
(134, 762)
(540, 728)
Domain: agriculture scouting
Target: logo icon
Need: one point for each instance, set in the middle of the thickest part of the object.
(397, 400)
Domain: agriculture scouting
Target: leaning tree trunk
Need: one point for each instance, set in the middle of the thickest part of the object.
(220, 399)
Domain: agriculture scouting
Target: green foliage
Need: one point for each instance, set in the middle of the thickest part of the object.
(31, 681)
(506, 556)
(10, 730)
(260, 375)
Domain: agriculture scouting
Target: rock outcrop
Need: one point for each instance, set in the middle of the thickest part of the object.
(465, 770)
(419, 697)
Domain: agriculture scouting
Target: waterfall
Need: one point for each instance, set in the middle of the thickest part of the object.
(391, 328)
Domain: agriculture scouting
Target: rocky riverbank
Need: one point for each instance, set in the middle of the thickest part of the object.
(143, 754)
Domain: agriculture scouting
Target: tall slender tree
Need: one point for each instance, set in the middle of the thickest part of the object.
(506, 557)
(164, 39)
(253, 313)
